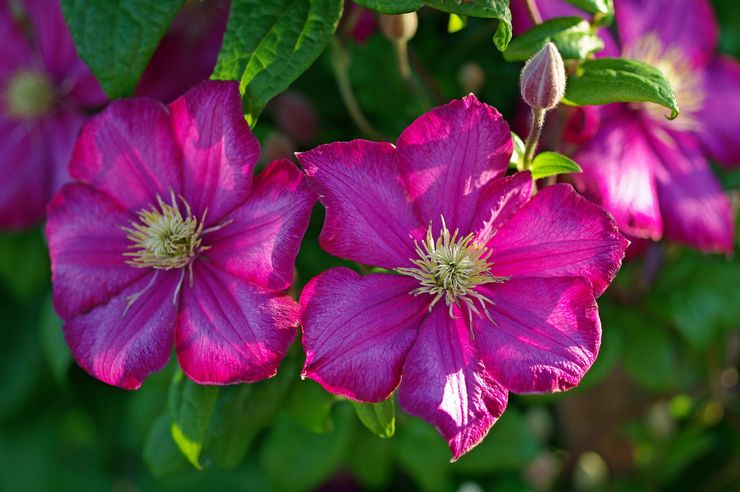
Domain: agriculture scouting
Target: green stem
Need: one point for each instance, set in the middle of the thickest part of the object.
(530, 146)
(340, 63)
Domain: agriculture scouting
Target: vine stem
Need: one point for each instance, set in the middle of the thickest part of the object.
(538, 121)
(340, 63)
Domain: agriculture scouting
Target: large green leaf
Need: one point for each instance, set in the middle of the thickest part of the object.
(571, 35)
(310, 405)
(296, 459)
(608, 80)
(160, 452)
(116, 38)
(391, 6)
(489, 9)
(190, 408)
(267, 45)
(241, 412)
(380, 418)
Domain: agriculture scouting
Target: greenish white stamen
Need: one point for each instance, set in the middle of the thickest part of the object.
(450, 268)
(165, 239)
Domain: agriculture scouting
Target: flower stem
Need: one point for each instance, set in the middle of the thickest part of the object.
(538, 121)
(534, 12)
(340, 63)
(401, 47)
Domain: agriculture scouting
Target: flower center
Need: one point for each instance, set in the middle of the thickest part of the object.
(687, 82)
(450, 268)
(163, 238)
(28, 94)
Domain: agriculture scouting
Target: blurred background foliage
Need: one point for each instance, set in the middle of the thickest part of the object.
(659, 410)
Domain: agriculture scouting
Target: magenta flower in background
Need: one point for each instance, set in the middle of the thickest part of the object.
(165, 237)
(188, 51)
(491, 292)
(45, 93)
(653, 174)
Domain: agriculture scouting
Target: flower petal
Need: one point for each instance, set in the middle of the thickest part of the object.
(546, 333)
(357, 331)
(123, 350)
(688, 25)
(559, 233)
(719, 118)
(52, 37)
(219, 151)
(128, 151)
(262, 242)
(25, 183)
(87, 249)
(618, 174)
(500, 200)
(695, 209)
(369, 217)
(449, 154)
(229, 331)
(445, 383)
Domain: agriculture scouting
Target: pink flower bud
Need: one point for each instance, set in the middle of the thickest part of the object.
(543, 79)
(399, 27)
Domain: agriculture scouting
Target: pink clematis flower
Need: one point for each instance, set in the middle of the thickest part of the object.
(188, 51)
(653, 174)
(164, 236)
(45, 93)
(488, 291)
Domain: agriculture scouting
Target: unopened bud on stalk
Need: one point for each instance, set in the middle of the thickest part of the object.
(543, 79)
(471, 77)
(399, 27)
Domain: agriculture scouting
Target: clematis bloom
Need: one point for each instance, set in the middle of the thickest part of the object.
(165, 237)
(652, 174)
(487, 290)
(45, 93)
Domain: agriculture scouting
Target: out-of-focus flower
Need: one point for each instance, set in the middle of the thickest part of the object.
(165, 237)
(491, 292)
(45, 93)
(362, 23)
(650, 173)
(188, 51)
(296, 115)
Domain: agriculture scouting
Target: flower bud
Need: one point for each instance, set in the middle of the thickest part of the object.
(543, 79)
(471, 77)
(399, 27)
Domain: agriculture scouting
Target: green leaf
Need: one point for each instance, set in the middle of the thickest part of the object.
(380, 418)
(24, 264)
(421, 453)
(160, 452)
(391, 6)
(516, 161)
(510, 446)
(695, 294)
(310, 405)
(489, 9)
(456, 23)
(551, 164)
(241, 412)
(371, 460)
(296, 459)
(608, 80)
(116, 38)
(571, 35)
(604, 7)
(267, 45)
(190, 408)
